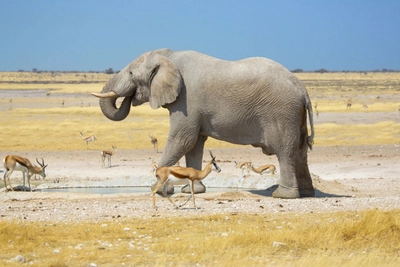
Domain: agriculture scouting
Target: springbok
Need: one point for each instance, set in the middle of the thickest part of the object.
(16, 163)
(173, 180)
(87, 139)
(243, 166)
(107, 154)
(154, 142)
(260, 170)
(180, 175)
(348, 103)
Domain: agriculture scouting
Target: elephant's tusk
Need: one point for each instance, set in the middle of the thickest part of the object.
(106, 95)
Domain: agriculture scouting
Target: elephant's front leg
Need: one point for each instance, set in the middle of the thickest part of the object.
(177, 146)
(194, 159)
(173, 151)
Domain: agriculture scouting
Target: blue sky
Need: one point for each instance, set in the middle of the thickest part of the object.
(93, 35)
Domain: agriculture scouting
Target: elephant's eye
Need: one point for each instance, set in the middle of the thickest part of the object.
(130, 72)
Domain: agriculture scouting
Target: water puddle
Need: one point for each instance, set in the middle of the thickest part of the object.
(119, 190)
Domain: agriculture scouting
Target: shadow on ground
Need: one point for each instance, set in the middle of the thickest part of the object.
(318, 194)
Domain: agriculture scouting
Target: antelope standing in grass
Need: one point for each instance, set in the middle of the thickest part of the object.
(348, 103)
(107, 154)
(316, 110)
(180, 175)
(244, 166)
(260, 170)
(87, 139)
(154, 142)
(365, 107)
(16, 163)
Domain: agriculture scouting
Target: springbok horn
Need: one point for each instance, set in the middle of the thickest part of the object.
(211, 155)
(106, 95)
(39, 162)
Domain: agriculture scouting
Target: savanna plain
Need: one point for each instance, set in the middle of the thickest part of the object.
(353, 220)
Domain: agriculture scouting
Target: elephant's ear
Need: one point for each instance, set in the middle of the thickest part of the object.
(165, 81)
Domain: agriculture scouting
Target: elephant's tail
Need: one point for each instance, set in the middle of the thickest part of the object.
(310, 139)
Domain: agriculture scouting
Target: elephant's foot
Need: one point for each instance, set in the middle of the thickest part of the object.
(286, 192)
(198, 188)
(170, 189)
(307, 192)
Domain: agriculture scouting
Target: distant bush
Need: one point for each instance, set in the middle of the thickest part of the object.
(297, 70)
(109, 71)
(322, 71)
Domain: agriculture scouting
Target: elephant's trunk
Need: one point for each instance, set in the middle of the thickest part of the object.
(109, 108)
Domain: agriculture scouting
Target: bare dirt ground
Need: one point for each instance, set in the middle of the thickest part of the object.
(345, 178)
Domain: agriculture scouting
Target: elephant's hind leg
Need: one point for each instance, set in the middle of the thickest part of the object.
(304, 180)
(286, 192)
(303, 176)
(295, 179)
(288, 187)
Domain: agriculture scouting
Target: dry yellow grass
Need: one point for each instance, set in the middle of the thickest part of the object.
(54, 82)
(368, 238)
(55, 77)
(386, 132)
(339, 106)
(41, 123)
(55, 88)
(341, 83)
(58, 129)
(345, 76)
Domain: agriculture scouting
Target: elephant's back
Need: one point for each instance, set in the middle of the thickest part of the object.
(243, 82)
(207, 68)
(190, 58)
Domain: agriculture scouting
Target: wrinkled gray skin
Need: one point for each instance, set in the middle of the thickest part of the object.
(254, 101)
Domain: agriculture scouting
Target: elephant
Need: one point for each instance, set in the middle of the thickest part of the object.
(254, 101)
